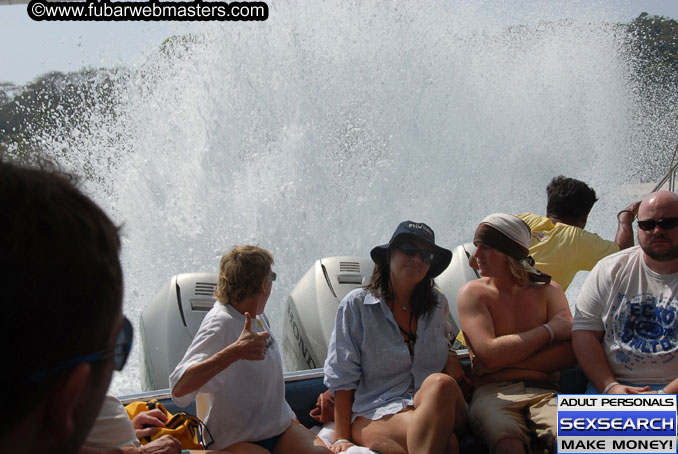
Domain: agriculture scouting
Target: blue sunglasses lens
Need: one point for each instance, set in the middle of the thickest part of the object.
(123, 345)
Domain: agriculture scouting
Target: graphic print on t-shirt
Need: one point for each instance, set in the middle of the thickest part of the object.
(644, 329)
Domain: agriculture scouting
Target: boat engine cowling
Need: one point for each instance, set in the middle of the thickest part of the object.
(312, 306)
(169, 322)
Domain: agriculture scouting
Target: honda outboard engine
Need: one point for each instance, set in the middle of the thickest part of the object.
(312, 308)
(169, 323)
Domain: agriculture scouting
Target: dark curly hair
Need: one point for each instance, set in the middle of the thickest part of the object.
(423, 299)
(569, 199)
(241, 273)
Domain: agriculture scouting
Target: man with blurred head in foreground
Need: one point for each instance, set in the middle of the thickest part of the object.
(624, 331)
(62, 321)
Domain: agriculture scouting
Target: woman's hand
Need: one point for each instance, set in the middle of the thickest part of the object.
(343, 401)
(479, 367)
(147, 423)
(453, 369)
(166, 444)
(251, 345)
(341, 445)
(453, 366)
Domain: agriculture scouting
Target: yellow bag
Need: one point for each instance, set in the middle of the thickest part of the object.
(183, 426)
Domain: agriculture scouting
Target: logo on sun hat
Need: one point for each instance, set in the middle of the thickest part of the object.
(426, 230)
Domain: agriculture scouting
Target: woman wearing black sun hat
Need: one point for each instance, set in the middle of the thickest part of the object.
(397, 386)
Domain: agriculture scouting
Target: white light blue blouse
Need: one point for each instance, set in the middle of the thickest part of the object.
(367, 354)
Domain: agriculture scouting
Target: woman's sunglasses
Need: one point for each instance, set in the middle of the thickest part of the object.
(665, 224)
(411, 250)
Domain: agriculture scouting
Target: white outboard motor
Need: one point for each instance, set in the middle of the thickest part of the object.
(312, 307)
(169, 323)
(458, 273)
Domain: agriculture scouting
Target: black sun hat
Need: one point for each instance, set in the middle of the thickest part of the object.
(421, 231)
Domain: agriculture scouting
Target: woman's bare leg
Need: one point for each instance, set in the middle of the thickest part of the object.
(428, 428)
(439, 410)
(297, 439)
(387, 435)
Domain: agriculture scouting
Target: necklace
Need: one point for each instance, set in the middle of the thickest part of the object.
(409, 337)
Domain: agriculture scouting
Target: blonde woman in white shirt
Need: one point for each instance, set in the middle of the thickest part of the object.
(236, 362)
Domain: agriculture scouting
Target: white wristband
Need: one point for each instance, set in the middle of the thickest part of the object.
(661, 391)
(609, 387)
(342, 440)
(551, 333)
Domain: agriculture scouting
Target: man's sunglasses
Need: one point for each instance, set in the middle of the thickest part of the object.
(119, 353)
(411, 250)
(665, 224)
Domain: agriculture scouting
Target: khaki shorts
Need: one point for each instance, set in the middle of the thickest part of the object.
(515, 409)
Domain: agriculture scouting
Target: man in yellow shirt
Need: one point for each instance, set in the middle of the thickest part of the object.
(560, 246)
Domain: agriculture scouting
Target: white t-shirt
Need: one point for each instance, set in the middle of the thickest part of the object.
(113, 428)
(247, 399)
(636, 308)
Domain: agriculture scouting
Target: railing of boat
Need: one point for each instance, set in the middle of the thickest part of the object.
(671, 175)
(160, 394)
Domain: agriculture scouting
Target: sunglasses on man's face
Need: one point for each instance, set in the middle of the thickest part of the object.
(123, 345)
(411, 250)
(665, 224)
(119, 353)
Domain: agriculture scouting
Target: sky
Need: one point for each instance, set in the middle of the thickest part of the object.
(32, 48)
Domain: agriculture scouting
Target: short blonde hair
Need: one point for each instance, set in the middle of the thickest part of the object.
(241, 272)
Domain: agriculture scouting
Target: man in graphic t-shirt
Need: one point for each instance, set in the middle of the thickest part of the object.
(624, 332)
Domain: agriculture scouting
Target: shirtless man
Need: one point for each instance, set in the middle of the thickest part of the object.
(517, 325)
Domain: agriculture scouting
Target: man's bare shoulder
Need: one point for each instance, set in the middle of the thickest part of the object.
(538, 294)
(544, 291)
(475, 291)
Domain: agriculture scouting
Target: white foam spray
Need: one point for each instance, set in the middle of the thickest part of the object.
(314, 133)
